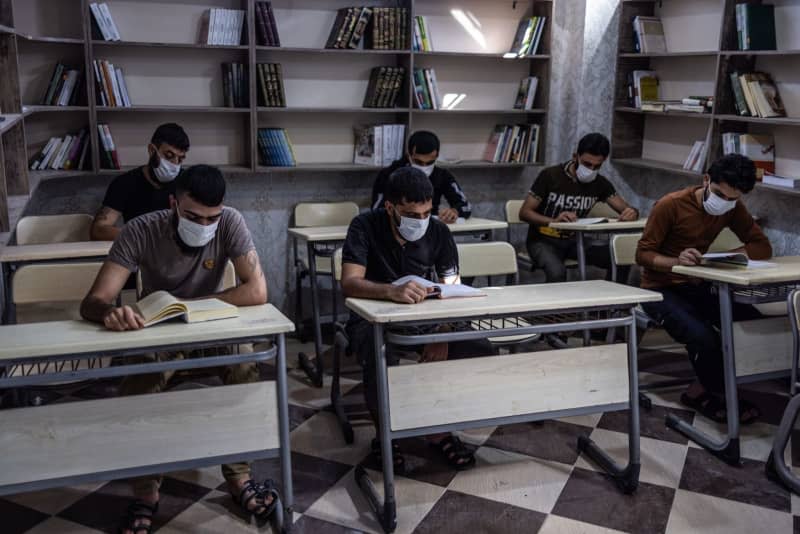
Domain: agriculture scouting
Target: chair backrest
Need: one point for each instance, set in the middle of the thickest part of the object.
(52, 291)
(228, 278)
(601, 209)
(512, 211)
(725, 241)
(324, 213)
(794, 310)
(623, 249)
(486, 259)
(337, 264)
(43, 229)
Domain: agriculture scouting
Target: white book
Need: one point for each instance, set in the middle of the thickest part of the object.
(58, 160)
(442, 291)
(222, 27)
(66, 90)
(701, 158)
(100, 20)
(781, 181)
(51, 154)
(401, 141)
(35, 165)
(239, 28)
(534, 154)
(212, 27)
(123, 88)
(109, 139)
(687, 165)
(112, 28)
(734, 259)
(592, 220)
(531, 96)
(229, 24)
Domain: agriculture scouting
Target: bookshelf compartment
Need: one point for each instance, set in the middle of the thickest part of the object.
(689, 26)
(37, 62)
(221, 142)
(39, 128)
(163, 21)
(670, 141)
(48, 18)
(784, 71)
(787, 20)
(787, 143)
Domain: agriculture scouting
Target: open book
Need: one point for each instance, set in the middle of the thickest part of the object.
(161, 306)
(442, 291)
(591, 220)
(734, 259)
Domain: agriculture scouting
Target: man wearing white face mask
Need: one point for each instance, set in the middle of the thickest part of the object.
(184, 251)
(423, 149)
(385, 244)
(565, 193)
(146, 188)
(679, 230)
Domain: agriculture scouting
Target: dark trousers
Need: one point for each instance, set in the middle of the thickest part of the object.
(549, 254)
(690, 315)
(362, 343)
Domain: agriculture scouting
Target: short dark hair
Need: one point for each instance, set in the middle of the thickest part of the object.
(172, 134)
(735, 170)
(596, 144)
(424, 141)
(204, 183)
(408, 184)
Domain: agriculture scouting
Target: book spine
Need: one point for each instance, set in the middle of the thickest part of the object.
(351, 28)
(279, 83)
(373, 79)
(273, 26)
(98, 20)
(51, 87)
(111, 147)
(361, 27)
(262, 34)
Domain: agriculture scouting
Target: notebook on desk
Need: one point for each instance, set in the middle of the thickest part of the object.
(161, 306)
(734, 259)
(442, 291)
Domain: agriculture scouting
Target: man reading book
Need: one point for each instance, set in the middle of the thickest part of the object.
(388, 243)
(679, 231)
(423, 149)
(183, 251)
(565, 193)
(146, 188)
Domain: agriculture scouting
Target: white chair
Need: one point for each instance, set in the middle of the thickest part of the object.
(512, 218)
(42, 229)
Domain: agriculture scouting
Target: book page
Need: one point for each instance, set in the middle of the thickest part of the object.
(413, 278)
(447, 291)
(159, 306)
(592, 220)
(208, 310)
(729, 257)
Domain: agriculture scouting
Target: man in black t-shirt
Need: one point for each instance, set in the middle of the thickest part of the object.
(423, 149)
(146, 188)
(565, 193)
(382, 245)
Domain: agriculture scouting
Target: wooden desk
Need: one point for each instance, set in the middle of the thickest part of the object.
(444, 396)
(106, 439)
(321, 242)
(12, 256)
(751, 286)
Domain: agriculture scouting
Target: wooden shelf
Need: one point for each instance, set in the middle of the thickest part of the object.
(641, 163)
(331, 110)
(760, 52)
(175, 109)
(54, 40)
(689, 114)
(145, 44)
(536, 111)
(49, 174)
(343, 51)
(701, 53)
(126, 168)
(777, 189)
(480, 55)
(10, 121)
(782, 121)
(30, 110)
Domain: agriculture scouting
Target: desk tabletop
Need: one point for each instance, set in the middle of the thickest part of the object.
(57, 338)
(610, 226)
(787, 270)
(55, 251)
(509, 300)
(315, 234)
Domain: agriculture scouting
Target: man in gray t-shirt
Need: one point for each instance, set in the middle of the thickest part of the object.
(183, 251)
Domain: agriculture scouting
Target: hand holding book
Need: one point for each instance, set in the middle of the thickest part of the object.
(414, 289)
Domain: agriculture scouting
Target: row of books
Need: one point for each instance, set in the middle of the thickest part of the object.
(528, 36)
(426, 89)
(517, 143)
(388, 29)
(756, 95)
(526, 94)
(379, 144)
(65, 87)
(349, 27)
(109, 159)
(103, 25)
(758, 147)
(275, 148)
(642, 87)
(648, 35)
(222, 26)
(270, 85)
(111, 88)
(755, 26)
(422, 35)
(692, 104)
(781, 181)
(384, 87)
(235, 84)
(266, 28)
(67, 153)
(697, 157)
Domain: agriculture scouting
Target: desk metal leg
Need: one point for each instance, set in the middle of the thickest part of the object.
(386, 511)
(581, 249)
(283, 431)
(8, 302)
(627, 478)
(728, 448)
(314, 371)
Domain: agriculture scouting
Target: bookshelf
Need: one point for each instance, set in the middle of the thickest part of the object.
(702, 52)
(171, 77)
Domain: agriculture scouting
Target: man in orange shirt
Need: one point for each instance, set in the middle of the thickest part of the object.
(679, 231)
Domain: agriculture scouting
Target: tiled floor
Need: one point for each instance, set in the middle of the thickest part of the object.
(528, 478)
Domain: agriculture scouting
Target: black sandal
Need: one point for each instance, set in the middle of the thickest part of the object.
(259, 492)
(708, 405)
(455, 452)
(397, 459)
(139, 510)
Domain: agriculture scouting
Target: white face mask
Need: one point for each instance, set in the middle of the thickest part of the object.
(196, 234)
(427, 169)
(413, 229)
(584, 174)
(166, 170)
(715, 204)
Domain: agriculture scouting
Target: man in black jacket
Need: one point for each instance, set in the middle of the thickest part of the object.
(423, 149)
